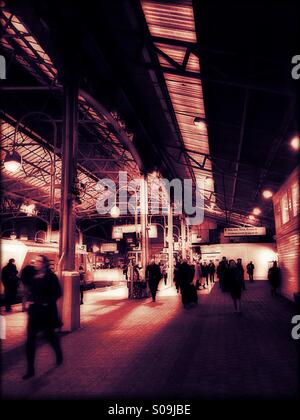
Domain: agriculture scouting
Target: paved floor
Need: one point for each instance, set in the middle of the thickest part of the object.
(140, 349)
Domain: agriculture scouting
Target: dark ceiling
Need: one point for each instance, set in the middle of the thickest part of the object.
(245, 51)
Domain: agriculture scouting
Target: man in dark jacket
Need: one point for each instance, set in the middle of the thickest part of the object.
(222, 274)
(154, 276)
(211, 270)
(240, 272)
(250, 271)
(186, 274)
(27, 276)
(274, 277)
(10, 282)
(43, 314)
(205, 272)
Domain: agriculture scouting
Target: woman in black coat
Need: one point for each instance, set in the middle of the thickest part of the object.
(44, 290)
(235, 285)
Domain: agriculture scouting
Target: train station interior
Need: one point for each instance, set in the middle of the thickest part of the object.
(142, 135)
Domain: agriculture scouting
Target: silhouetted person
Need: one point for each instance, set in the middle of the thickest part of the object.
(274, 277)
(9, 277)
(235, 285)
(250, 271)
(204, 270)
(211, 271)
(163, 271)
(26, 278)
(42, 314)
(176, 278)
(153, 275)
(188, 291)
(222, 273)
(198, 275)
(82, 282)
(125, 271)
(241, 272)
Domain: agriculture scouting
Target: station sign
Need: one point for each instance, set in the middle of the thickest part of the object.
(109, 247)
(118, 231)
(82, 248)
(245, 231)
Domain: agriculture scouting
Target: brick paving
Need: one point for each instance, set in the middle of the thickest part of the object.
(139, 349)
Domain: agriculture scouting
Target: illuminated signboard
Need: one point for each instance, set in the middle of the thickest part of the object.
(109, 247)
(81, 248)
(117, 231)
(245, 231)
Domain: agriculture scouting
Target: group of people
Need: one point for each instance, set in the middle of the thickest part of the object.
(42, 289)
(231, 275)
(204, 274)
(231, 279)
(10, 281)
(184, 274)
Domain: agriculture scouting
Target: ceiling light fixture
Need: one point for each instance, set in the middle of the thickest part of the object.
(200, 123)
(12, 161)
(295, 143)
(256, 211)
(267, 194)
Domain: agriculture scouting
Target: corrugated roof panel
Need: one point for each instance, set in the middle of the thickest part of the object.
(175, 21)
(170, 20)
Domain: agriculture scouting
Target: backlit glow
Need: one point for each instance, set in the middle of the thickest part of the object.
(256, 211)
(115, 212)
(295, 143)
(267, 194)
(12, 166)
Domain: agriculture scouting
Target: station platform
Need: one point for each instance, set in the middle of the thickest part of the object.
(140, 349)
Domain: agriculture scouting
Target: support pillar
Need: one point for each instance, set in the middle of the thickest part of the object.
(183, 237)
(70, 309)
(188, 243)
(139, 289)
(144, 224)
(170, 243)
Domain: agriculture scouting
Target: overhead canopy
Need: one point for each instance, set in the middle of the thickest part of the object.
(183, 87)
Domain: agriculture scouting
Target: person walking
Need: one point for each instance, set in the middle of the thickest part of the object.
(154, 276)
(241, 272)
(198, 275)
(234, 285)
(222, 271)
(82, 282)
(188, 291)
(164, 272)
(26, 278)
(211, 271)
(9, 277)
(43, 315)
(250, 271)
(204, 270)
(176, 278)
(274, 277)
